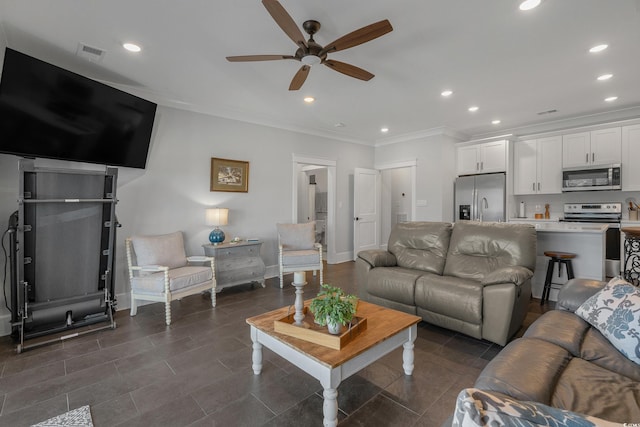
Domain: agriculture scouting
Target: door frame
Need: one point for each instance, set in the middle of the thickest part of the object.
(299, 161)
(413, 164)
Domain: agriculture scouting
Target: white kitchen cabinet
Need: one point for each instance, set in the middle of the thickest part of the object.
(538, 166)
(487, 157)
(630, 156)
(598, 147)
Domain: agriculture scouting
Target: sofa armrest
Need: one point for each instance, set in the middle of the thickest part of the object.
(577, 291)
(378, 258)
(515, 274)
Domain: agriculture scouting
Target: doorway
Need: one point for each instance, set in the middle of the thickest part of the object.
(314, 190)
(398, 198)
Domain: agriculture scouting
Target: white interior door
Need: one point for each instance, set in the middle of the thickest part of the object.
(366, 210)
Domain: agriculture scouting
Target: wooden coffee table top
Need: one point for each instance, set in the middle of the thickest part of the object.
(382, 323)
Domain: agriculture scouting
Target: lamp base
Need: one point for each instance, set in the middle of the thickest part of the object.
(216, 236)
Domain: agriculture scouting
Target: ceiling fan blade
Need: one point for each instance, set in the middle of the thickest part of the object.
(349, 70)
(285, 21)
(360, 36)
(300, 77)
(246, 58)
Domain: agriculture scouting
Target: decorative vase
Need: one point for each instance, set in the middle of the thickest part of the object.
(216, 236)
(334, 328)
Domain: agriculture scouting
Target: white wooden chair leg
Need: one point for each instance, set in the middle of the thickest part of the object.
(321, 282)
(213, 297)
(281, 279)
(134, 305)
(167, 312)
(314, 273)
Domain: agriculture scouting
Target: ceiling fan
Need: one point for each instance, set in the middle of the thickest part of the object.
(311, 53)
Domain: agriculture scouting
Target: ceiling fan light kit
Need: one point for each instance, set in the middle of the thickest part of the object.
(311, 53)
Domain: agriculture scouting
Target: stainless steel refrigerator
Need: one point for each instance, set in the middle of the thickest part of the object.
(480, 197)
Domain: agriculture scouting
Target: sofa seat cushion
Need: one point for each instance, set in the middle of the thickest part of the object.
(526, 369)
(589, 389)
(394, 283)
(457, 298)
(561, 328)
(179, 278)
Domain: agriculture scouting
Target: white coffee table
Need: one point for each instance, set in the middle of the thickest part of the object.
(386, 330)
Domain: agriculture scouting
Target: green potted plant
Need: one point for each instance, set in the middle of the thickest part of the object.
(334, 308)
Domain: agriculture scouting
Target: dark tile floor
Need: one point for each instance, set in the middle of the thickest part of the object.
(197, 372)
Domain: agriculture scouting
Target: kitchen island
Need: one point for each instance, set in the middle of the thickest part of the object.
(587, 241)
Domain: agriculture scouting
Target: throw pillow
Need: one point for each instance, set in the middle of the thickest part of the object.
(615, 312)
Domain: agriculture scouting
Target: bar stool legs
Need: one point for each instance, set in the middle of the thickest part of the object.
(561, 258)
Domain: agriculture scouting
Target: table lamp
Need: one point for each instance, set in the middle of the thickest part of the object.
(217, 217)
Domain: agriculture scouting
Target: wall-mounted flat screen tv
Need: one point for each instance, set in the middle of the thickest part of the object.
(46, 111)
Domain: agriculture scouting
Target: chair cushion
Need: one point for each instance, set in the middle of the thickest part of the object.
(297, 236)
(615, 312)
(165, 249)
(179, 278)
(295, 258)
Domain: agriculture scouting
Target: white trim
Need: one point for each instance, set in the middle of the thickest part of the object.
(396, 165)
(444, 131)
(414, 179)
(330, 164)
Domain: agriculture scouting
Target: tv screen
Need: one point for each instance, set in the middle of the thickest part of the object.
(46, 111)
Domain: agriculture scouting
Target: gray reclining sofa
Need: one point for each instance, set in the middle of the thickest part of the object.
(470, 277)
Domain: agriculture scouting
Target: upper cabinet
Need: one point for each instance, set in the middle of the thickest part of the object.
(486, 157)
(598, 147)
(537, 166)
(630, 155)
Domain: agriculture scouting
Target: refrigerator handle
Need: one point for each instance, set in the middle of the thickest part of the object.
(474, 205)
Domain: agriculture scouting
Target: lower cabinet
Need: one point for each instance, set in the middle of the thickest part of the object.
(237, 263)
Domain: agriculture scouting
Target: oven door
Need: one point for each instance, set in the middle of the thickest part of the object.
(606, 177)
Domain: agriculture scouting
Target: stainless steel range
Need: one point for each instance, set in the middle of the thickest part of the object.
(600, 213)
(593, 212)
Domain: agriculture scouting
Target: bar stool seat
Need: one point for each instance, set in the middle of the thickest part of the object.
(560, 258)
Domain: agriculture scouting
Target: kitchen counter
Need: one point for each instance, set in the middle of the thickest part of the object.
(587, 241)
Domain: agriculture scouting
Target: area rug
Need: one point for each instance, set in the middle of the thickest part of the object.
(80, 417)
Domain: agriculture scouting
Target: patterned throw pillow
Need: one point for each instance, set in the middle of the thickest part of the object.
(615, 312)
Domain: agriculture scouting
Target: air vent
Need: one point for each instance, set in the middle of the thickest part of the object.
(90, 53)
(541, 113)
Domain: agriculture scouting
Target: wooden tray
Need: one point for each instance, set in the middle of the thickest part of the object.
(312, 332)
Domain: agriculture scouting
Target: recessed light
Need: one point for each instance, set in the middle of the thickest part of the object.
(605, 77)
(529, 4)
(384, 130)
(495, 122)
(598, 48)
(611, 98)
(309, 99)
(339, 125)
(446, 93)
(131, 47)
(473, 109)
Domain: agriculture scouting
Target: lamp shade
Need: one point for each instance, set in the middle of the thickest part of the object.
(217, 216)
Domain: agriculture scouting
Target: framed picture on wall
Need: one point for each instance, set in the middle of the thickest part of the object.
(229, 175)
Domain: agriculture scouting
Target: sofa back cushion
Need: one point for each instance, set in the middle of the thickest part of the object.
(420, 245)
(477, 249)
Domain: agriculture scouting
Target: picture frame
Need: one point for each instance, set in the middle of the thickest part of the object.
(229, 175)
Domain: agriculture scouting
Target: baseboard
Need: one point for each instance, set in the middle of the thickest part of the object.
(344, 257)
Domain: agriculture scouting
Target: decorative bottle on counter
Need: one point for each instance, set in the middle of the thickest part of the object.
(546, 211)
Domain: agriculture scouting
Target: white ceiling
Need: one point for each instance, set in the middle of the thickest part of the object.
(512, 64)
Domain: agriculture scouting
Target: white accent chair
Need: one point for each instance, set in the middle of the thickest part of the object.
(298, 250)
(159, 270)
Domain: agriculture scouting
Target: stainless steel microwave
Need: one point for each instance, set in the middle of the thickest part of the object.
(602, 177)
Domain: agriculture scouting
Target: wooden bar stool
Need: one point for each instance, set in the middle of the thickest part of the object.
(559, 258)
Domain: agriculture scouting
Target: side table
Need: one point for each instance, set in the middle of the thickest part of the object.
(236, 264)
